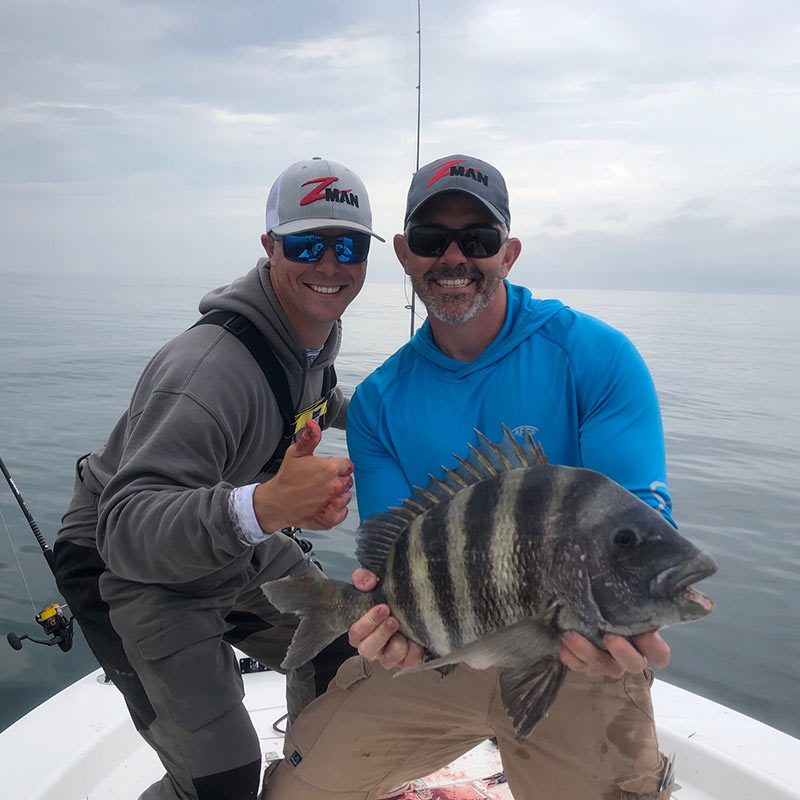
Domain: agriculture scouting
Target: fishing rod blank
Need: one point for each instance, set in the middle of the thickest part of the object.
(48, 553)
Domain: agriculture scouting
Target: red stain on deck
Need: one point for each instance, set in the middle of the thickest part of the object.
(462, 780)
(464, 791)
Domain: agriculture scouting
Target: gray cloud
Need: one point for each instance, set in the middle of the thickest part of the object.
(695, 253)
(635, 137)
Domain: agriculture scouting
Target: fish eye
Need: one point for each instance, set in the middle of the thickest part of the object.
(626, 537)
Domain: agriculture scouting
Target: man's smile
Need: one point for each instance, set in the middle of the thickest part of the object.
(453, 278)
(316, 287)
(453, 283)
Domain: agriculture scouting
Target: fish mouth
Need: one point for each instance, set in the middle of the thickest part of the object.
(675, 584)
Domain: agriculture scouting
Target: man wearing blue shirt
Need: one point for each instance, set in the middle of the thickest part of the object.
(488, 354)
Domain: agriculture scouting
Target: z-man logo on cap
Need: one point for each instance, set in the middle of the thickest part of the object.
(331, 195)
(450, 168)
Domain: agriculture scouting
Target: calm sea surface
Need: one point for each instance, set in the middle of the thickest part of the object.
(727, 369)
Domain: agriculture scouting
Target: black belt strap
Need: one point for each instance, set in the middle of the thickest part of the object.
(259, 348)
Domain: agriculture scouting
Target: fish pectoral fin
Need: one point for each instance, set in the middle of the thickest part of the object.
(517, 645)
(529, 692)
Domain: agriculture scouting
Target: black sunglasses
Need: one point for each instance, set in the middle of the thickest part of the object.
(307, 248)
(430, 241)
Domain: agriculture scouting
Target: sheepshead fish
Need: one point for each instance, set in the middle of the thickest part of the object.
(490, 565)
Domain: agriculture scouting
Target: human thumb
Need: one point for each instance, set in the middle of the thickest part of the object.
(309, 439)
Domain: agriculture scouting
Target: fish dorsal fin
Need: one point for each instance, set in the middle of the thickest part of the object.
(491, 458)
(377, 535)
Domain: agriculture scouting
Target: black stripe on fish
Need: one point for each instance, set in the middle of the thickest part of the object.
(436, 544)
(532, 517)
(405, 599)
(480, 570)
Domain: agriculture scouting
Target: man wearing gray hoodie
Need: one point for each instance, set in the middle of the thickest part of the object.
(189, 506)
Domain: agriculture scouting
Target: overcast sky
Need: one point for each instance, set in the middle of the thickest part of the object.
(645, 144)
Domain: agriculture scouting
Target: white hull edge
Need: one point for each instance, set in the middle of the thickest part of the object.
(81, 744)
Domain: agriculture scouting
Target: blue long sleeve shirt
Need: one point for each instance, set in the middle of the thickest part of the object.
(578, 384)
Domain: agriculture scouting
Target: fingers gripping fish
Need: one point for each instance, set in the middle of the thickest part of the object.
(489, 567)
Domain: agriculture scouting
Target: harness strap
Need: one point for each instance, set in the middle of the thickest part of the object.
(260, 350)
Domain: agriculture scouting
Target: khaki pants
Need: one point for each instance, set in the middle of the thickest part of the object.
(370, 732)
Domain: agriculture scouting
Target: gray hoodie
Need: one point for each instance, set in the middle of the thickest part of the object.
(202, 420)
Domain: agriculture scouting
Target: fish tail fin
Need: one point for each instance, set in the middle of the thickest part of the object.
(327, 608)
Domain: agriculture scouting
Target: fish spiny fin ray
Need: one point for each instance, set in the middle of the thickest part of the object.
(481, 458)
(503, 458)
(455, 478)
(540, 458)
(428, 495)
(440, 484)
(519, 451)
(467, 466)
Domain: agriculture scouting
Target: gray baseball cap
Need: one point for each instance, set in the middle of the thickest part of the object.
(318, 193)
(459, 173)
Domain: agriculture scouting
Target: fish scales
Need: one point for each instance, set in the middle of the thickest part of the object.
(536, 517)
(506, 539)
(437, 540)
(398, 584)
(489, 567)
(458, 569)
(480, 570)
(425, 568)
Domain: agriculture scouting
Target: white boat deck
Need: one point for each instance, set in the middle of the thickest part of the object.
(81, 745)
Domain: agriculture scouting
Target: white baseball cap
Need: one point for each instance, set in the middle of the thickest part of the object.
(318, 193)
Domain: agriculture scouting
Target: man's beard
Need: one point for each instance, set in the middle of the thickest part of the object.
(456, 309)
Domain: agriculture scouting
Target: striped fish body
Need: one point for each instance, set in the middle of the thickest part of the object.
(488, 566)
(469, 565)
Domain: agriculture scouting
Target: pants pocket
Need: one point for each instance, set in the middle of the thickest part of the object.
(196, 672)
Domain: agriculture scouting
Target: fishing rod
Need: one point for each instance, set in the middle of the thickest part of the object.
(419, 109)
(57, 628)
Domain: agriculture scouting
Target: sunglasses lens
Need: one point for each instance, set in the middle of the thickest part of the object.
(352, 249)
(430, 242)
(479, 242)
(305, 248)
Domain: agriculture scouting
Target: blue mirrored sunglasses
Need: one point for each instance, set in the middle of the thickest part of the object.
(307, 248)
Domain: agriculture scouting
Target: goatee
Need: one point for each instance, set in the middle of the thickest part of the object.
(456, 309)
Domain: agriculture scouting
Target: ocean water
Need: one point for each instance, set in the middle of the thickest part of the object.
(727, 369)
